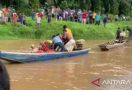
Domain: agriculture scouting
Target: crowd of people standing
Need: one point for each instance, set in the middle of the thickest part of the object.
(10, 15)
(81, 16)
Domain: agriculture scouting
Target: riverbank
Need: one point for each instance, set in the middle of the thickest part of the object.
(88, 32)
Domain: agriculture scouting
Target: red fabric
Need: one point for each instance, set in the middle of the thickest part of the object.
(84, 15)
(40, 14)
(46, 48)
(50, 51)
(14, 15)
(40, 51)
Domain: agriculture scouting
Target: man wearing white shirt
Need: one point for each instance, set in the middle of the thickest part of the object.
(122, 35)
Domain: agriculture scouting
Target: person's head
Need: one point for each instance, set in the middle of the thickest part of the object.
(53, 36)
(57, 34)
(64, 27)
(124, 30)
(64, 30)
(118, 28)
(41, 43)
(128, 27)
(32, 46)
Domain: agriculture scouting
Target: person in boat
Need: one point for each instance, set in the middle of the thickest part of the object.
(118, 34)
(68, 39)
(57, 43)
(4, 78)
(45, 47)
(122, 35)
(34, 49)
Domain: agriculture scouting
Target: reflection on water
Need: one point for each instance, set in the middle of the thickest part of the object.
(69, 74)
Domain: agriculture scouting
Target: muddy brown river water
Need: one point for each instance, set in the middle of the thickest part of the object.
(73, 73)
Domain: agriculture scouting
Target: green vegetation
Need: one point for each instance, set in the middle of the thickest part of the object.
(101, 6)
(80, 31)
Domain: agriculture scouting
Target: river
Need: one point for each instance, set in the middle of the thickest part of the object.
(73, 73)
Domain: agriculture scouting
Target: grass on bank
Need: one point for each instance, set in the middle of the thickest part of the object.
(80, 31)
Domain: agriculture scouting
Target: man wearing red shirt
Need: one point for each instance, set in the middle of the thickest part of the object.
(84, 17)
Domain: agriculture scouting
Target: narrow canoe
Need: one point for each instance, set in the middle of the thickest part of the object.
(107, 47)
(17, 57)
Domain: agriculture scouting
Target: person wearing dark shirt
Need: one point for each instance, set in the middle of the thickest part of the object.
(33, 15)
(118, 34)
(105, 21)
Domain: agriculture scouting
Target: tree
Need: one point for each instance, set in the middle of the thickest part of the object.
(114, 5)
(42, 2)
(106, 6)
(103, 6)
(124, 7)
(84, 4)
(96, 5)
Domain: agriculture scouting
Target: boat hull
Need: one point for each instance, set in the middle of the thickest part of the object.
(16, 57)
(108, 47)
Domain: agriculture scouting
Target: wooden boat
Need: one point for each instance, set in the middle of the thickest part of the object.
(107, 47)
(17, 57)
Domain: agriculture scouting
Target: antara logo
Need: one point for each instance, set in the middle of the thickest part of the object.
(97, 82)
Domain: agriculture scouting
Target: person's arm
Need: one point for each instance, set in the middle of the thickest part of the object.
(64, 35)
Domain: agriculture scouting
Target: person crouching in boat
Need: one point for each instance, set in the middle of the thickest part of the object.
(57, 43)
(68, 39)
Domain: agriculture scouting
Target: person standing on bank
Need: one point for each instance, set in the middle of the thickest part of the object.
(97, 19)
(105, 20)
(39, 18)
